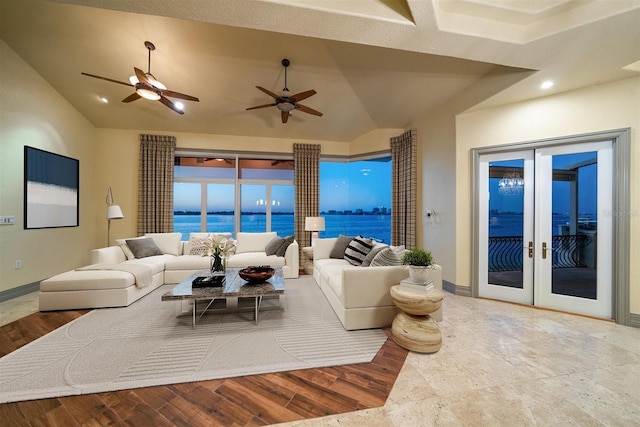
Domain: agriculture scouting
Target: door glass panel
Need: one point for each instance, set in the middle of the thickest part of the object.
(186, 208)
(506, 208)
(253, 208)
(575, 224)
(282, 208)
(220, 203)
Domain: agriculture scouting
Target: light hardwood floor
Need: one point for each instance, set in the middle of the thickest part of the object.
(500, 365)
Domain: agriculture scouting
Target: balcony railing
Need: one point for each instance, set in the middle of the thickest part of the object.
(506, 253)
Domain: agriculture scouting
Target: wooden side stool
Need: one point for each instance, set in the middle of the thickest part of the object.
(413, 328)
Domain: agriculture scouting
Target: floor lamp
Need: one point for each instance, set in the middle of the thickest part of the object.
(113, 212)
(314, 224)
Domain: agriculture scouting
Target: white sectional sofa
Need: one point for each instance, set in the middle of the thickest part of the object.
(113, 280)
(360, 295)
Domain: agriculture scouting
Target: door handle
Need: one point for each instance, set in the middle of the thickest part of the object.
(530, 247)
(545, 249)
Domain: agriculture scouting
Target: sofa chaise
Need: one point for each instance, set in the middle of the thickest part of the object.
(359, 295)
(116, 278)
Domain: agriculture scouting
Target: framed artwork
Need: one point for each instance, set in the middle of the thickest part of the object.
(51, 190)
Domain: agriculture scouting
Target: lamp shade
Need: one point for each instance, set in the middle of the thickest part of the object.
(314, 223)
(114, 212)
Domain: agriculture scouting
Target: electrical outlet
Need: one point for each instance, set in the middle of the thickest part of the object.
(7, 220)
(18, 264)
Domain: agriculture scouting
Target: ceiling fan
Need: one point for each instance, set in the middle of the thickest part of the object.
(148, 87)
(287, 102)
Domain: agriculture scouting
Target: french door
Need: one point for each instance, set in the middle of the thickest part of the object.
(545, 227)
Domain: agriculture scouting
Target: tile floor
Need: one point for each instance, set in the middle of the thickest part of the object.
(500, 365)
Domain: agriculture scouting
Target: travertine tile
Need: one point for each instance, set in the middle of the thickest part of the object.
(17, 308)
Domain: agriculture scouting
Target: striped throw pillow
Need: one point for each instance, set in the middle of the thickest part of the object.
(357, 250)
(387, 256)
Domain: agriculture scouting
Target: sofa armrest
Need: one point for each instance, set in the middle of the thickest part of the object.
(369, 286)
(292, 256)
(109, 255)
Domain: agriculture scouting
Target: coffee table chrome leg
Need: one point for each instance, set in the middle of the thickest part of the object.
(258, 301)
(195, 305)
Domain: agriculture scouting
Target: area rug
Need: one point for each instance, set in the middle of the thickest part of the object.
(151, 343)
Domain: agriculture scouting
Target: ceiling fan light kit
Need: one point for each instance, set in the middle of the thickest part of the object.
(148, 87)
(286, 102)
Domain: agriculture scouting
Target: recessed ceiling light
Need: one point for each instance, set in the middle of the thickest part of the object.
(546, 84)
(179, 105)
(103, 99)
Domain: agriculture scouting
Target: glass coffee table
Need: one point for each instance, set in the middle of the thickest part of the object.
(235, 287)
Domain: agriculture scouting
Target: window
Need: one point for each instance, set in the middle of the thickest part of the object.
(355, 198)
(218, 194)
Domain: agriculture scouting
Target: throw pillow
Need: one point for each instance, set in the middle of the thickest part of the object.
(273, 246)
(287, 242)
(366, 262)
(123, 245)
(340, 246)
(142, 248)
(357, 250)
(196, 245)
(387, 256)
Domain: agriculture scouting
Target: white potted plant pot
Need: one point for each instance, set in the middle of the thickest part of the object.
(419, 274)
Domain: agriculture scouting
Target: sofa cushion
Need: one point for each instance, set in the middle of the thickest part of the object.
(323, 248)
(144, 247)
(357, 250)
(273, 246)
(253, 242)
(188, 262)
(283, 248)
(388, 256)
(157, 263)
(87, 280)
(340, 246)
(169, 243)
(366, 262)
(254, 258)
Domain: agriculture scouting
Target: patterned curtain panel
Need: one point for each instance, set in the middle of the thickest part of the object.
(306, 159)
(155, 184)
(403, 188)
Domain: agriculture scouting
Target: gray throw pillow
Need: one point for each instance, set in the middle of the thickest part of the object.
(340, 246)
(366, 262)
(387, 256)
(273, 246)
(283, 248)
(142, 248)
(357, 250)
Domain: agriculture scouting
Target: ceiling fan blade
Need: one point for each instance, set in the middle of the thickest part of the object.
(268, 92)
(285, 116)
(142, 77)
(261, 106)
(170, 104)
(303, 95)
(308, 110)
(132, 97)
(107, 79)
(179, 95)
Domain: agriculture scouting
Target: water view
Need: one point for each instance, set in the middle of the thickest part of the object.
(377, 226)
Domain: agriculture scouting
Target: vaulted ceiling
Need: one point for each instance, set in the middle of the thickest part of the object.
(374, 63)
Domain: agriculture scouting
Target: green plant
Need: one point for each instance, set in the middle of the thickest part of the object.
(417, 256)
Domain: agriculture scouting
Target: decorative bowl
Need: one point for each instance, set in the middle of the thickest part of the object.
(256, 274)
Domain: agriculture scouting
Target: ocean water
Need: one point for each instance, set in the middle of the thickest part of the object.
(375, 226)
(502, 224)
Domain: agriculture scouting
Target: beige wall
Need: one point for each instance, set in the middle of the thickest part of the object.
(598, 108)
(34, 114)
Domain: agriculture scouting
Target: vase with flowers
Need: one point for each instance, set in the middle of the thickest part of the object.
(218, 249)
